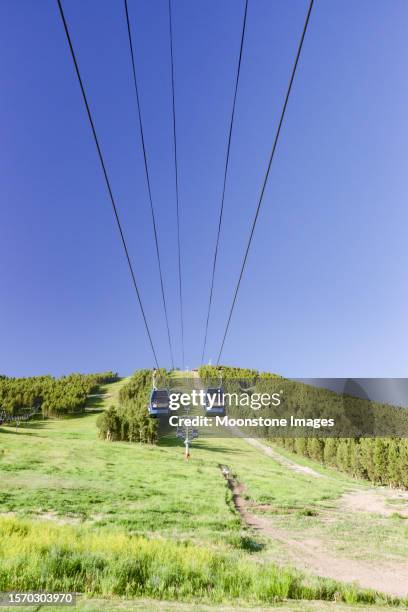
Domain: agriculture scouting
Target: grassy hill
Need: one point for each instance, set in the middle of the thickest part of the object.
(114, 519)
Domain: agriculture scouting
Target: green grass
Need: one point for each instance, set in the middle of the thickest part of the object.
(61, 558)
(109, 605)
(61, 466)
(146, 523)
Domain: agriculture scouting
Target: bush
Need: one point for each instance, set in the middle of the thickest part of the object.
(130, 420)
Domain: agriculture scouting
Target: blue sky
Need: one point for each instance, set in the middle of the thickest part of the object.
(324, 293)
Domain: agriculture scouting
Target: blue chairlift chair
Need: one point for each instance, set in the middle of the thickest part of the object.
(159, 403)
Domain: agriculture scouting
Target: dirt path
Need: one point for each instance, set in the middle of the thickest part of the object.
(312, 555)
(264, 448)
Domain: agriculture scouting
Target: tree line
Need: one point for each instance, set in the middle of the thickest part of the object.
(214, 373)
(48, 395)
(381, 460)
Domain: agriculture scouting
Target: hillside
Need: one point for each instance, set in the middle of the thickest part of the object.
(116, 519)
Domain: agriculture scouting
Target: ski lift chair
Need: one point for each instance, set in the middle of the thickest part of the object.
(159, 404)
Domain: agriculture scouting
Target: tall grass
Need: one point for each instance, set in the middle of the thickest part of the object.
(37, 555)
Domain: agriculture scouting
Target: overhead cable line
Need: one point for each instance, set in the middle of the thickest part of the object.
(266, 177)
(225, 181)
(156, 240)
(112, 199)
(177, 185)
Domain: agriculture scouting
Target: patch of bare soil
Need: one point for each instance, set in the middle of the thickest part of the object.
(312, 555)
(382, 501)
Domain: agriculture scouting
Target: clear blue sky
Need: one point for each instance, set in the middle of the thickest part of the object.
(325, 291)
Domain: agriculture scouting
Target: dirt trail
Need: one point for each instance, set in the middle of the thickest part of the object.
(288, 463)
(312, 555)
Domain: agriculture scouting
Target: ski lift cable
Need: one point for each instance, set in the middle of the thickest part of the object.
(156, 240)
(266, 176)
(105, 173)
(177, 183)
(225, 180)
